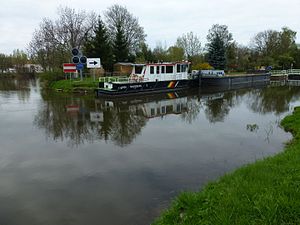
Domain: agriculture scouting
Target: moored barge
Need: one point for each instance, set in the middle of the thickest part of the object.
(146, 78)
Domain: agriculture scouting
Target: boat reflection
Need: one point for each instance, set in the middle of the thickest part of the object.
(121, 120)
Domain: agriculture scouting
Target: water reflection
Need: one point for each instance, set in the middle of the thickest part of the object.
(121, 161)
(273, 99)
(21, 87)
(121, 120)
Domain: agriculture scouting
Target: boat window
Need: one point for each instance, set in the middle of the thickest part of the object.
(178, 109)
(163, 69)
(169, 69)
(184, 68)
(152, 112)
(151, 69)
(157, 70)
(158, 110)
(178, 68)
(138, 69)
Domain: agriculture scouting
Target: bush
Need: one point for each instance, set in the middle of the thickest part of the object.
(51, 76)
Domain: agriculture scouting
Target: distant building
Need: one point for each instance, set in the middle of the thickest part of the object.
(34, 68)
(123, 68)
(12, 70)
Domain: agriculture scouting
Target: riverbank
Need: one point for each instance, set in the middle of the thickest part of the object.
(57, 82)
(75, 85)
(265, 192)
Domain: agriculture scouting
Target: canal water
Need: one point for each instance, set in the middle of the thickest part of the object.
(67, 159)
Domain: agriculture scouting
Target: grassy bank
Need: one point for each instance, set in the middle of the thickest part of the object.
(75, 85)
(56, 81)
(265, 192)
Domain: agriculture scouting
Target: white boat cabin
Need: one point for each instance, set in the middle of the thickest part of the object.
(160, 71)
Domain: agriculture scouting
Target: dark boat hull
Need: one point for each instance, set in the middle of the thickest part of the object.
(294, 77)
(143, 87)
(234, 80)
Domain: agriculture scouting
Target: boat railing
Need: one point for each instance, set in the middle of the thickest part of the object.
(113, 79)
(278, 72)
(124, 79)
(294, 71)
(285, 72)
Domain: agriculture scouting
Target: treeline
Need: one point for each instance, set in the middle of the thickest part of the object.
(117, 36)
(16, 61)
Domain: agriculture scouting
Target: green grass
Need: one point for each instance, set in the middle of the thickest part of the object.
(87, 84)
(265, 192)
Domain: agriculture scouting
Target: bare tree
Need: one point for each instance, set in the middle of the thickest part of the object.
(190, 43)
(266, 42)
(118, 16)
(53, 41)
(73, 27)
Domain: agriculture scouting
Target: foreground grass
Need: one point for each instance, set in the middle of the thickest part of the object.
(265, 192)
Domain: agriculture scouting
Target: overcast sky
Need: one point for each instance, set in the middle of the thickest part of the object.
(163, 20)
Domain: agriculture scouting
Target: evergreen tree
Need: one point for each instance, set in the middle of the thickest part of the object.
(217, 53)
(120, 46)
(99, 46)
(219, 42)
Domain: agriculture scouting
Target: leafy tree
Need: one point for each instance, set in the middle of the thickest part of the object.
(98, 45)
(287, 48)
(160, 52)
(119, 18)
(145, 54)
(275, 48)
(244, 59)
(296, 56)
(231, 56)
(287, 41)
(5, 62)
(19, 59)
(202, 66)
(175, 53)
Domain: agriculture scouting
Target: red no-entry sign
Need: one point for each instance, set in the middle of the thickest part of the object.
(69, 67)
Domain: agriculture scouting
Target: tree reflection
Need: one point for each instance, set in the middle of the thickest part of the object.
(20, 87)
(192, 109)
(273, 99)
(68, 118)
(61, 122)
(121, 123)
(77, 120)
(218, 105)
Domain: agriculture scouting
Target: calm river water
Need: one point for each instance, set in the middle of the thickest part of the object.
(73, 160)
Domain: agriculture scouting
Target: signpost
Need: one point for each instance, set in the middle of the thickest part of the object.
(93, 63)
(79, 66)
(69, 67)
(79, 60)
(96, 116)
